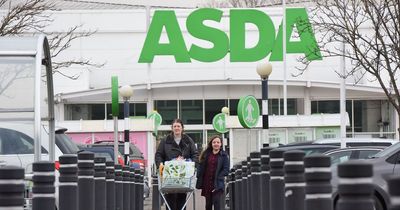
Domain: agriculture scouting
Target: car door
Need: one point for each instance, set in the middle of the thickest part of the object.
(26, 154)
(8, 152)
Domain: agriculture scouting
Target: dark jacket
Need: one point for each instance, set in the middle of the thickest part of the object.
(221, 171)
(168, 149)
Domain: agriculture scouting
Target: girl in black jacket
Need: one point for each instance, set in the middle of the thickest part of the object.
(178, 146)
(214, 166)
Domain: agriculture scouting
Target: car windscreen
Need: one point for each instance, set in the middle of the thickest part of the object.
(65, 144)
(387, 151)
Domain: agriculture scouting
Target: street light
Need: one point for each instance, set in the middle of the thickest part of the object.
(224, 110)
(126, 92)
(264, 70)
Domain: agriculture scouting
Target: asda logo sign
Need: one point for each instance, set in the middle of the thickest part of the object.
(269, 42)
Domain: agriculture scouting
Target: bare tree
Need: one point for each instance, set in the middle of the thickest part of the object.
(370, 31)
(29, 16)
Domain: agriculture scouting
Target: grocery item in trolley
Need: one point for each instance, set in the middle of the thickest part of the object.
(178, 173)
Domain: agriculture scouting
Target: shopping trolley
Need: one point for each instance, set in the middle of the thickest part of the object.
(176, 183)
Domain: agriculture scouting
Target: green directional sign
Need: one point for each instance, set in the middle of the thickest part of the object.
(219, 123)
(114, 96)
(157, 120)
(248, 111)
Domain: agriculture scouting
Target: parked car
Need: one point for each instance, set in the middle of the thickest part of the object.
(310, 148)
(351, 153)
(385, 163)
(106, 152)
(135, 155)
(352, 142)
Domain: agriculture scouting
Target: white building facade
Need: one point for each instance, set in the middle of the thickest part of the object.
(196, 91)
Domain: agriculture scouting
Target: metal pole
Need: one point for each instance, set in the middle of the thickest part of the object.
(43, 197)
(100, 197)
(294, 180)
(110, 185)
(86, 180)
(318, 182)
(343, 100)
(116, 139)
(125, 187)
(265, 179)
(68, 183)
(277, 184)
(284, 57)
(126, 131)
(231, 147)
(119, 192)
(355, 181)
(12, 188)
(256, 180)
(265, 116)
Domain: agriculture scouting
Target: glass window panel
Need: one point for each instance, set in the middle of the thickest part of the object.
(191, 111)
(213, 107)
(168, 109)
(233, 104)
(325, 107)
(17, 86)
(140, 109)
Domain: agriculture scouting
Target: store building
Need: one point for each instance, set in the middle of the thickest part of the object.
(197, 91)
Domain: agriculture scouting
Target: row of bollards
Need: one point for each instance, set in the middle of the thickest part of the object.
(275, 179)
(85, 183)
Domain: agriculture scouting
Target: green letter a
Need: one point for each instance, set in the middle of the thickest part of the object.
(308, 45)
(152, 45)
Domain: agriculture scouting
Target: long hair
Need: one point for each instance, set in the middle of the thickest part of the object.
(208, 148)
(177, 120)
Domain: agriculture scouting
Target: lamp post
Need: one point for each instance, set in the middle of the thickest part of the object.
(126, 92)
(264, 70)
(225, 110)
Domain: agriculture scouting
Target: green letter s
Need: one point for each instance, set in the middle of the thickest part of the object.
(176, 45)
(196, 28)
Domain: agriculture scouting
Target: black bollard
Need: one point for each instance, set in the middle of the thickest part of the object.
(137, 195)
(238, 187)
(277, 183)
(394, 191)
(255, 180)
(12, 188)
(86, 180)
(249, 186)
(355, 186)
(68, 183)
(155, 194)
(43, 190)
(119, 192)
(231, 187)
(265, 178)
(110, 185)
(294, 180)
(132, 188)
(141, 190)
(126, 185)
(100, 197)
(245, 185)
(318, 182)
